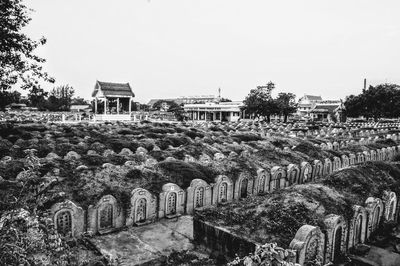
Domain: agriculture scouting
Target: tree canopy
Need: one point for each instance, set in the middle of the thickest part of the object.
(381, 101)
(18, 63)
(164, 104)
(60, 98)
(260, 103)
(286, 103)
(170, 106)
(224, 100)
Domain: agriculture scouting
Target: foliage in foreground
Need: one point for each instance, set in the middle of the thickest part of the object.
(26, 239)
(187, 258)
(265, 255)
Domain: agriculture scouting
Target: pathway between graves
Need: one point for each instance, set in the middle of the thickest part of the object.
(148, 244)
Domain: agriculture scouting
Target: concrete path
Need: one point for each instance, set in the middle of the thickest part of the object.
(149, 244)
(379, 257)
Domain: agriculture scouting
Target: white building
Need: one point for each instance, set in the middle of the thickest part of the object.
(306, 103)
(186, 100)
(328, 111)
(220, 111)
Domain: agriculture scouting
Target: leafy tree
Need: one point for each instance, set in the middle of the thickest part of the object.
(142, 107)
(172, 107)
(7, 97)
(286, 104)
(259, 102)
(178, 111)
(354, 105)
(159, 104)
(18, 63)
(60, 98)
(37, 96)
(79, 101)
(222, 100)
(375, 102)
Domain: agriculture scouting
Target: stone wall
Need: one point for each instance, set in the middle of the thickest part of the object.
(220, 241)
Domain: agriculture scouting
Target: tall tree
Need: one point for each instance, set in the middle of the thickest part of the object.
(259, 102)
(18, 63)
(160, 105)
(355, 105)
(7, 97)
(60, 98)
(37, 96)
(178, 111)
(286, 104)
(375, 102)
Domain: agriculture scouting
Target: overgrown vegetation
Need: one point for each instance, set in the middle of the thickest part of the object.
(276, 217)
(43, 164)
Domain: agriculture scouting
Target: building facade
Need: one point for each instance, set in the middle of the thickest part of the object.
(306, 103)
(219, 111)
(186, 100)
(328, 111)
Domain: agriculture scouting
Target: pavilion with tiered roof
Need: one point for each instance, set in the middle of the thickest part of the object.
(116, 101)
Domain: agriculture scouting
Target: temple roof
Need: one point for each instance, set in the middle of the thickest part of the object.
(313, 98)
(110, 89)
(326, 108)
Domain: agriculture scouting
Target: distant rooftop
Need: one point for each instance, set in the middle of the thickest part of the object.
(185, 99)
(312, 97)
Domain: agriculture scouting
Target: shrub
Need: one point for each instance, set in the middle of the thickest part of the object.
(43, 148)
(174, 141)
(117, 144)
(386, 142)
(245, 137)
(188, 258)
(182, 173)
(134, 174)
(160, 155)
(5, 146)
(396, 158)
(10, 170)
(193, 134)
(159, 130)
(116, 159)
(93, 160)
(125, 131)
(309, 149)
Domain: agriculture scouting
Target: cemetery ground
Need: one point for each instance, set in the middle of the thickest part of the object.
(114, 184)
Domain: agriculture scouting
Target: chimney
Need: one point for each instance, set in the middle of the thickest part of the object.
(365, 84)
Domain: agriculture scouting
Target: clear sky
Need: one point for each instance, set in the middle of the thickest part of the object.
(171, 48)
